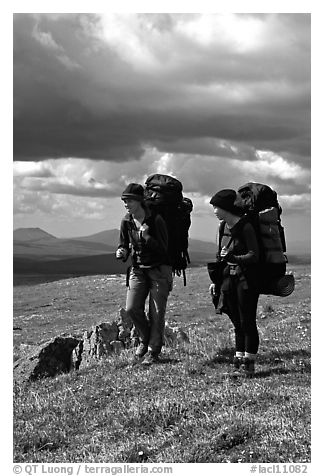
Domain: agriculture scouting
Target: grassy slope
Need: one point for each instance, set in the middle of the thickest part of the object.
(186, 409)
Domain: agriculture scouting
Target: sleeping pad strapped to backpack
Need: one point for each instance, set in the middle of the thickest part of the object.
(163, 196)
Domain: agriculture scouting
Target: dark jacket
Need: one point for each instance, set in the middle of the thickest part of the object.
(145, 253)
(244, 253)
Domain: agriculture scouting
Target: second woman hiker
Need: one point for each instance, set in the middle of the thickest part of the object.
(239, 295)
(145, 237)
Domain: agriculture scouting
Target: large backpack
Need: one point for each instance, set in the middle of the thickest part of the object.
(163, 196)
(260, 204)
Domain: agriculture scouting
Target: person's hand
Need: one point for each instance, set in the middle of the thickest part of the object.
(144, 231)
(212, 289)
(224, 252)
(121, 253)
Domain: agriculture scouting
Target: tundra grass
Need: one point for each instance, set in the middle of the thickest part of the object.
(188, 408)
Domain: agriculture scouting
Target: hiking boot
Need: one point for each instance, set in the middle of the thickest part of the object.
(237, 362)
(248, 367)
(139, 353)
(140, 350)
(151, 358)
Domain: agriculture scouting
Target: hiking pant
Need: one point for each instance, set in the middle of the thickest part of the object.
(157, 283)
(241, 304)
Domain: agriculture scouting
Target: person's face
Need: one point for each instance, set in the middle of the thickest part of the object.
(219, 212)
(132, 206)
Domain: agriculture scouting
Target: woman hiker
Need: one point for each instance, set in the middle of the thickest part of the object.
(239, 295)
(145, 236)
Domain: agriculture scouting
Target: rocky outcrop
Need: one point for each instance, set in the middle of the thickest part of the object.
(52, 358)
(97, 341)
(174, 336)
(126, 331)
(125, 326)
(63, 354)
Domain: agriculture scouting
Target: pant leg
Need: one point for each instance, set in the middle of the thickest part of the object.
(231, 302)
(247, 305)
(160, 286)
(137, 293)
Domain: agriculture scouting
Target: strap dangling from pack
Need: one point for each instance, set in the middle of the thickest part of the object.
(220, 235)
(127, 275)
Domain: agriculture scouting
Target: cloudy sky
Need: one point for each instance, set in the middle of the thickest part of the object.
(101, 100)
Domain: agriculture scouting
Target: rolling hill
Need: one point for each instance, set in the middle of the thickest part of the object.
(37, 244)
(32, 234)
(109, 237)
(37, 252)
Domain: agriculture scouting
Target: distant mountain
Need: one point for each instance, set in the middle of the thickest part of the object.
(38, 252)
(42, 249)
(32, 234)
(108, 237)
(35, 241)
(38, 244)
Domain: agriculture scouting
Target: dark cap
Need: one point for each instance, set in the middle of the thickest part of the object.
(225, 199)
(135, 191)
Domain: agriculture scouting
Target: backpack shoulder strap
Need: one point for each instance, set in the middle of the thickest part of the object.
(221, 229)
(221, 233)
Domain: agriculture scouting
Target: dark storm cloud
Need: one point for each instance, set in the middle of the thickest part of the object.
(82, 89)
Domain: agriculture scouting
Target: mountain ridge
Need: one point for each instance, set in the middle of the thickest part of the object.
(32, 234)
(39, 253)
(36, 252)
(110, 238)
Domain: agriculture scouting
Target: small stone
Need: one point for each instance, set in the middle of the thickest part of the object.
(117, 346)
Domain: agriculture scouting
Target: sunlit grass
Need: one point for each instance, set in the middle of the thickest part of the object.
(190, 408)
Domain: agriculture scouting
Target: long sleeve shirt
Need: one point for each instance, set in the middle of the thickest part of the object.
(243, 251)
(149, 252)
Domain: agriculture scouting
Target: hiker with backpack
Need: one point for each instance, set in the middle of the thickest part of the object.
(144, 236)
(239, 253)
